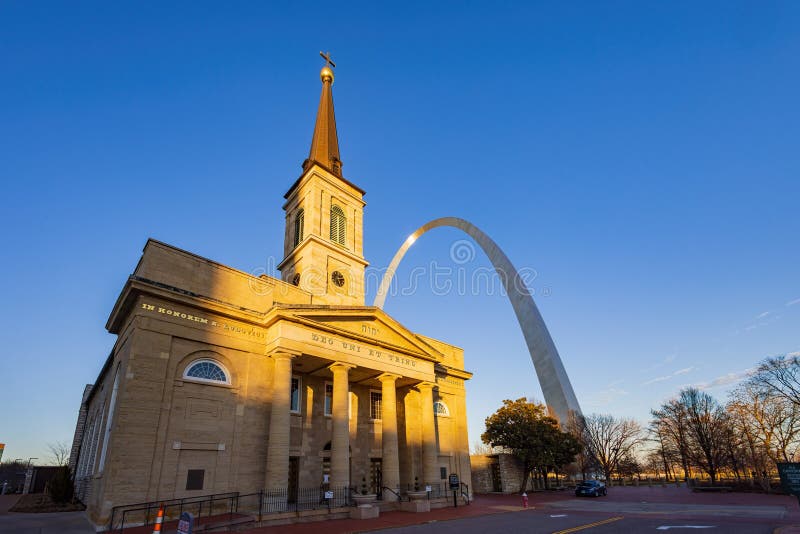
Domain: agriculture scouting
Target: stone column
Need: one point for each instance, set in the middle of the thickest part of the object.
(340, 443)
(430, 456)
(390, 463)
(279, 422)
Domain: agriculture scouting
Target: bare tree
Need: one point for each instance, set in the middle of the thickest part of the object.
(610, 440)
(584, 461)
(707, 430)
(779, 375)
(670, 425)
(771, 417)
(59, 452)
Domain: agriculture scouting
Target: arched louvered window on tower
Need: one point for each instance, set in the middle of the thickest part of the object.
(299, 219)
(338, 225)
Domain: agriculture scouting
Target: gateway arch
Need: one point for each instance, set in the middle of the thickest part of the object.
(553, 379)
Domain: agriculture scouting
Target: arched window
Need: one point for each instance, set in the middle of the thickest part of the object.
(338, 225)
(299, 218)
(440, 409)
(207, 371)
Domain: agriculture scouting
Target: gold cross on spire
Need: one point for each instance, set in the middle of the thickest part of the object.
(327, 57)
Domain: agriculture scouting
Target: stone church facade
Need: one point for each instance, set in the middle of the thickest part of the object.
(222, 381)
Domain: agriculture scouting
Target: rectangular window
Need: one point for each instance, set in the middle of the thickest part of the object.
(443, 472)
(328, 398)
(294, 402)
(375, 398)
(194, 479)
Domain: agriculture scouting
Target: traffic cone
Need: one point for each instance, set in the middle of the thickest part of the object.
(159, 519)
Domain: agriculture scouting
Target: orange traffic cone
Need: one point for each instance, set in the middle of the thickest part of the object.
(159, 519)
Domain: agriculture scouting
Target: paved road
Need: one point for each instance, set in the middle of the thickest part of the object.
(653, 510)
(560, 522)
(56, 523)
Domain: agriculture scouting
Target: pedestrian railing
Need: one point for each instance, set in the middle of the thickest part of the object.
(230, 508)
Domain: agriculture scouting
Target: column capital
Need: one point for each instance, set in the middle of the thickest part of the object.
(341, 366)
(387, 377)
(283, 353)
(425, 386)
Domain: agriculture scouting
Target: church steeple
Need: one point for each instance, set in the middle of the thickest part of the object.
(324, 239)
(325, 142)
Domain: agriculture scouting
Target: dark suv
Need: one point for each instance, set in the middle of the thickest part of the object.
(590, 488)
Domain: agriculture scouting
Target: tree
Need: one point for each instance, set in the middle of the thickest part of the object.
(59, 452)
(707, 425)
(779, 375)
(610, 440)
(670, 426)
(523, 428)
(585, 462)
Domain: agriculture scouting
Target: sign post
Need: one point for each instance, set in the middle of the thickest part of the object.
(455, 485)
(790, 478)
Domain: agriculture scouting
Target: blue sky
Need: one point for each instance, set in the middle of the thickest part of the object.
(641, 157)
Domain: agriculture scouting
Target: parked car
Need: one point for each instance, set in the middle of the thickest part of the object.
(590, 488)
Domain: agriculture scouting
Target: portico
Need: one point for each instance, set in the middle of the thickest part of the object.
(348, 374)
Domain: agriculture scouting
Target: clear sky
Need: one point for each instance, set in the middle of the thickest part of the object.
(641, 157)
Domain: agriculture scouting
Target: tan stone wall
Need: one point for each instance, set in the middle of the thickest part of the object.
(482, 472)
(317, 257)
(202, 277)
(164, 425)
(510, 470)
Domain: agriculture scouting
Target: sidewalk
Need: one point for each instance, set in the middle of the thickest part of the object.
(482, 505)
(7, 501)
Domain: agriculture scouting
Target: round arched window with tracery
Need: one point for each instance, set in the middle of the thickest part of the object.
(207, 371)
(440, 409)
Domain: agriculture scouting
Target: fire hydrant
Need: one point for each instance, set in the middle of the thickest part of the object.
(524, 500)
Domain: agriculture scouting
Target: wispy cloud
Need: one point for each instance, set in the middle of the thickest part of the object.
(726, 379)
(663, 378)
(793, 302)
(657, 379)
(667, 359)
(762, 319)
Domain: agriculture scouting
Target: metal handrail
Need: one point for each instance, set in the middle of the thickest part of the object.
(465, 495)
(147, 506)
(399, 497)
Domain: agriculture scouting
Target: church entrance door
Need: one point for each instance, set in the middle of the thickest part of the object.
(294, 479)
(375, 475)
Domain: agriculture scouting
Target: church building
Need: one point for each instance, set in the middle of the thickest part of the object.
(220, 381)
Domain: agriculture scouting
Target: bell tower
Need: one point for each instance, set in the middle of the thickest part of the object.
(323, 250)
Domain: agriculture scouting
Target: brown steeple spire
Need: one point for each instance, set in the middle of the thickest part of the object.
(325, 143)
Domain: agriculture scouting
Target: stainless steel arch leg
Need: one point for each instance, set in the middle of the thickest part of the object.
(556, 387)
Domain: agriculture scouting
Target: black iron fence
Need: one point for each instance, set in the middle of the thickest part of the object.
(229, 508)
(282, 500)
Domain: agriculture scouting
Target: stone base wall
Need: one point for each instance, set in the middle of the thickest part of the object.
(482, 473)
(484, 467)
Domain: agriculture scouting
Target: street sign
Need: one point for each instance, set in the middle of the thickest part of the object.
(454, 483)
(329, 495)
(185, 523)
(790, 477)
